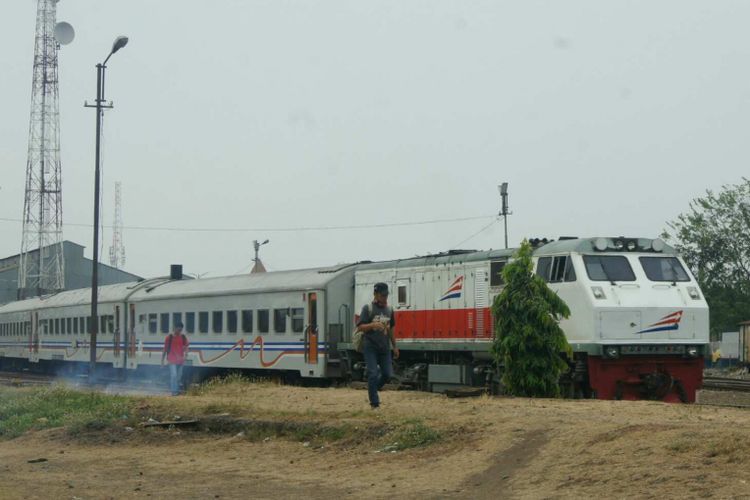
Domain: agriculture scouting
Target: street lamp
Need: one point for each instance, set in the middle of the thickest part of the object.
(119, 43)
(503, 188)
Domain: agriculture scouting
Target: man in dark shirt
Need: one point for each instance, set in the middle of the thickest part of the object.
(377, 322)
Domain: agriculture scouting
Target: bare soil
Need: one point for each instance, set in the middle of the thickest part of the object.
(489, 448)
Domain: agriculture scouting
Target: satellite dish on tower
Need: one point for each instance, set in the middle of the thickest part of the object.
(64, 33)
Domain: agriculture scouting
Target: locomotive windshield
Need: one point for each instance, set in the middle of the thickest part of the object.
(608, 268)
(664, 269)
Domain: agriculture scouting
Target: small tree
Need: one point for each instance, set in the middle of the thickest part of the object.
(528, 339)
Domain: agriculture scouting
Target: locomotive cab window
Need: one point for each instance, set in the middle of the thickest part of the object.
(664, 269)
(496, 273)
(556, 269)
(608, 268)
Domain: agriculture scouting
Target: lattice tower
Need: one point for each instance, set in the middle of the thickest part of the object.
(42, 272)
(117, 250)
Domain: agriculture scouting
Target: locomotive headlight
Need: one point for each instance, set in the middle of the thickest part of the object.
(619, 245)
(692, 351)
(693, 292)
(612, 352)
(631, 245)
(598, 292)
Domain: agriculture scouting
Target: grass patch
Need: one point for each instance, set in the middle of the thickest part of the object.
(414, 433)
(231, 381)
(57, 406)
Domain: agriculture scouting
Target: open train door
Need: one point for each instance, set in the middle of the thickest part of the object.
(311, 332)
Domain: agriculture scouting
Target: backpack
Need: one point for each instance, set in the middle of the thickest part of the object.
(169, 342)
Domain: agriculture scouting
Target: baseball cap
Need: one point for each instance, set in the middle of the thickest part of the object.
(381, 288)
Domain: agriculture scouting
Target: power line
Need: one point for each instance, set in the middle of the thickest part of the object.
(475, 234)
(281, 229)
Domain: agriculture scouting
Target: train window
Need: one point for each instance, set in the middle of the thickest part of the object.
(43, 326)
(570, 272)
(164, 322)
(496, 273)
(247, 321)
(664, 269)
(263, 320)
(608, 268)
(152, 323)
(203, 322)
(88, 324)
(62, 331)
(218, 322)
(109, 321)
(232, 321)
(69, 325)
(102, 324)
(543, 267)
(176, 318)
(298, 319)
(279, 320)
(75, 325)
(402, 295)
(190, 322)
(57, 326)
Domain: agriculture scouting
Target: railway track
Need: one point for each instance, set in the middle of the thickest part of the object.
(726, 384)
(21, 379)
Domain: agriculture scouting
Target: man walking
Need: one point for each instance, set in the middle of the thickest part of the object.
(175, 351)
(377, 322)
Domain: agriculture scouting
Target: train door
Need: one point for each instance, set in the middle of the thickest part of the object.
(130, 344)
(116, 336)
(33, 334)
(311, 332)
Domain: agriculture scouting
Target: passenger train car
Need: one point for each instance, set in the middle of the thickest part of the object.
(638, 324)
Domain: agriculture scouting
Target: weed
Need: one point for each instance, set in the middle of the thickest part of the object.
(58, 406)
(413, 433)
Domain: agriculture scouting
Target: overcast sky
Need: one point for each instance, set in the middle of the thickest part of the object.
(606, 118)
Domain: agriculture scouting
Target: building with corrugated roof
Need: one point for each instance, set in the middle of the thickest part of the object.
(77, 272)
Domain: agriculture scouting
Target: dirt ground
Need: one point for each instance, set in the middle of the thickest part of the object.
(490, 448)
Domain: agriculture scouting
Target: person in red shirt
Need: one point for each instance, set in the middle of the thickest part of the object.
(176, 347)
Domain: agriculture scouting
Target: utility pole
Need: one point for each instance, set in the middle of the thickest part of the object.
(503, 188)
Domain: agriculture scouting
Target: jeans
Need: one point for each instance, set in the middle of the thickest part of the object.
(175, 377)
(379, 371)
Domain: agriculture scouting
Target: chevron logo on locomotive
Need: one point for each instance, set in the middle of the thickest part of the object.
(668, 322)
(454, 291)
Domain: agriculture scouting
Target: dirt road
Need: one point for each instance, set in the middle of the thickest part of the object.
(488, 448)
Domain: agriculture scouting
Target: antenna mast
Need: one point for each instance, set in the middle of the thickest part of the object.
(117, 250)
(41, 267)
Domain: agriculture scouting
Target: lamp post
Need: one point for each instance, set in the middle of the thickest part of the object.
(503, 188)
(119, 43)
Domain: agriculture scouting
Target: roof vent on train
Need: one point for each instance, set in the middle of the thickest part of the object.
(175, 272)
(539, 242)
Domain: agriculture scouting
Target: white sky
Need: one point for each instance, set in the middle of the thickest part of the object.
(606, 118)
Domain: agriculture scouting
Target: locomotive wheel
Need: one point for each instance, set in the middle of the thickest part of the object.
(657, 385)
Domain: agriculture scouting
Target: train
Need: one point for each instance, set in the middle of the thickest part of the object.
(638, 328)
